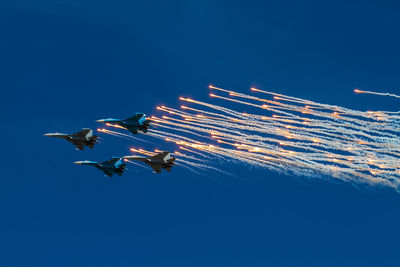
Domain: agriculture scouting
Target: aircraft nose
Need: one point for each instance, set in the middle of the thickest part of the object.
(102, 121)
(78, 162)
(54, 134)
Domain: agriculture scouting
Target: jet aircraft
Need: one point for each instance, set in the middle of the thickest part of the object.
(80, 139)
(162, 160)
(132, 124)
(109, 167)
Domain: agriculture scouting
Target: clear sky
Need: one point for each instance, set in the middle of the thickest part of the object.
(66, 63)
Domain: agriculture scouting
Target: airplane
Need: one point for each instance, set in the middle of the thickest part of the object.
(79, 140)
(162, 160)
(132, 124)
(109, 167)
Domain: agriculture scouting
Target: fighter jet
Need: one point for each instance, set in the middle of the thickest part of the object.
(109, 167)
(162, 160)
(132, 124)
(80, 139)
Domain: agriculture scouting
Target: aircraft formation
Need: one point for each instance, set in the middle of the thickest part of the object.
(276, 132)
(117, 165)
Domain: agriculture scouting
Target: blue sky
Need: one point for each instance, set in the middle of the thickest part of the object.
(64, 64)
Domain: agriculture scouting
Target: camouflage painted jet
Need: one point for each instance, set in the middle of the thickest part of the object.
(79, 139)
(162, 160)
(132, 124)
(109, 167)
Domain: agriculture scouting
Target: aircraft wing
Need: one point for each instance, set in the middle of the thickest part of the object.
(78, 145)
(133, 129)
(91, 146)
(111, 161)
(82, 134)
(162, 156)
(136, 118)
(156, 167)
(108, 173)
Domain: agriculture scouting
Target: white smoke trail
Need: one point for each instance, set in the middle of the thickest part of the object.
(376, 93)
(290, 135)
(308, 140)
